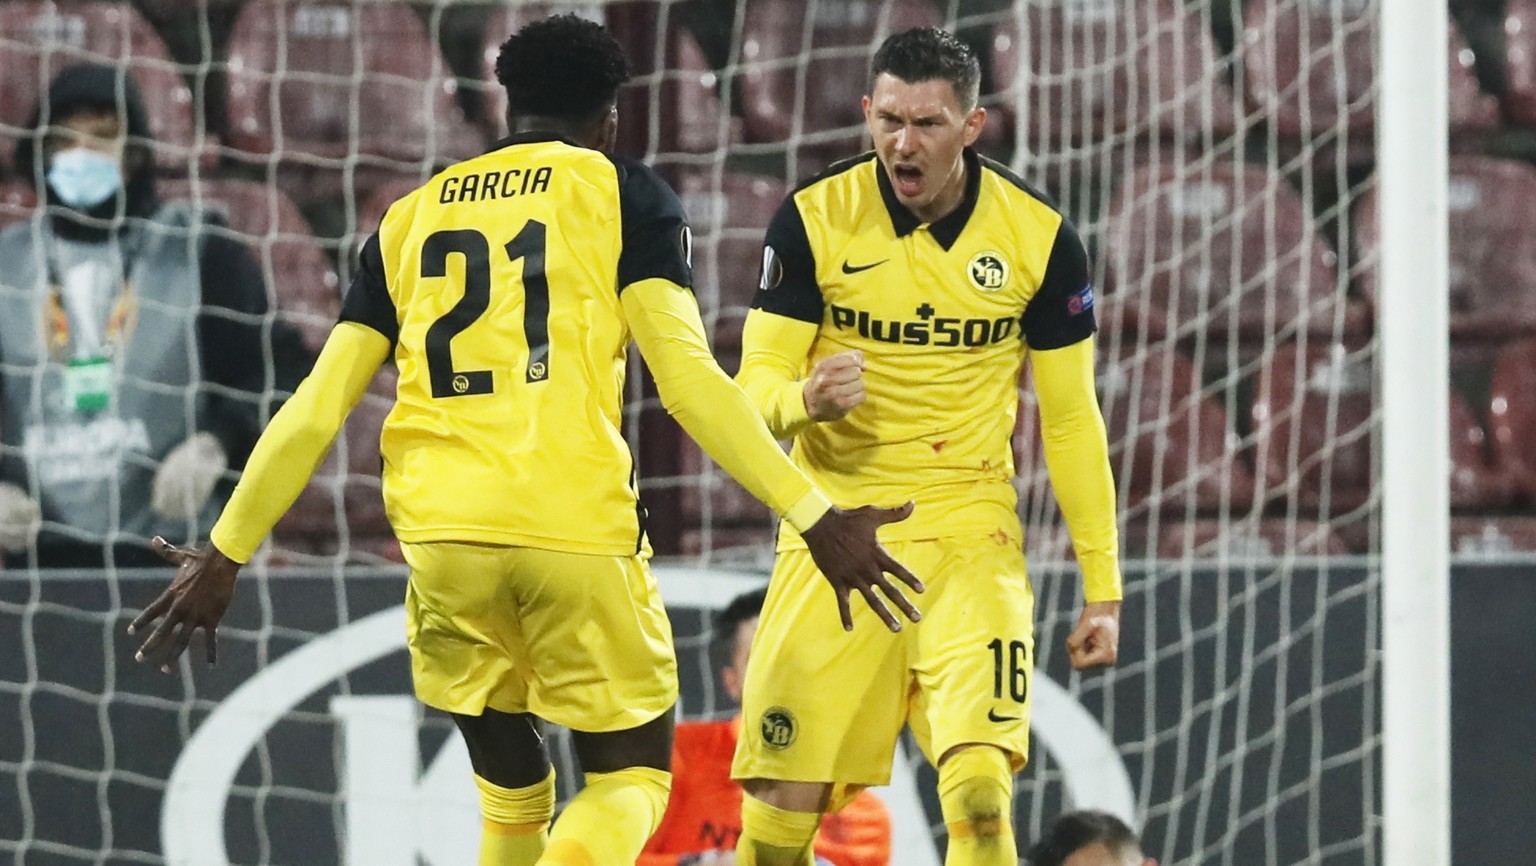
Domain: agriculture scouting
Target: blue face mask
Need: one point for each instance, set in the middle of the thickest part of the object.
(83, 178)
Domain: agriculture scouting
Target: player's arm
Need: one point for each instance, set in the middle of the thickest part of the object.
(670, 333)
(780, 331)
(654, 279)
(1077, 457)
(294, 443)
(1059, 326)
(280, 465)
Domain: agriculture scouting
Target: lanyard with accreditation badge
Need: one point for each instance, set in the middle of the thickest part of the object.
(88, 370)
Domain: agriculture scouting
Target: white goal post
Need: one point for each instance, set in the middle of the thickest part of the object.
(1415, 362)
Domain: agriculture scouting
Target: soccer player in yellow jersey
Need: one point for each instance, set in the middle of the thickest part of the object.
(901, 292)
(506, 290)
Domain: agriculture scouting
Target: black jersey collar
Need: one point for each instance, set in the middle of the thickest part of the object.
(532, 136)
(945, 230)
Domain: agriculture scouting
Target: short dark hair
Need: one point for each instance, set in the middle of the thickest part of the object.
(1070, 832)
(564, 67)
(748, 605)
(928, 54)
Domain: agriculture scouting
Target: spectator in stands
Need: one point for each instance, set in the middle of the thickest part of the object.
(703, 817)
(1087, 837)
(132, 352)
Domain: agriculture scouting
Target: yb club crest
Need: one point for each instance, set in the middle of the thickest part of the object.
(778, 728)
(988, 271)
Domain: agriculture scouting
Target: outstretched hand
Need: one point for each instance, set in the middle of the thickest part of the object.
(844, 546)
(196, 599)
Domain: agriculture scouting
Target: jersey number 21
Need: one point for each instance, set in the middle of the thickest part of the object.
(447, 381)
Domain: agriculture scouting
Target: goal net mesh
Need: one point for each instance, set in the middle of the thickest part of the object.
(1216, 156)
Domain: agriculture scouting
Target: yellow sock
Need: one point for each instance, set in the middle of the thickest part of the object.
(771, 836)
(976, 799)
(515, 821)
(608, 823)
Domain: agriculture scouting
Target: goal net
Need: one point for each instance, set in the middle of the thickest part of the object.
(1216, 156)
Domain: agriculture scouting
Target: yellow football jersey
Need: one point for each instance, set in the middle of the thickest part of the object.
(499, 281)
(944, 314)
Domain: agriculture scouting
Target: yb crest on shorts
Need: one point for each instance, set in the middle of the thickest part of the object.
(778, 727)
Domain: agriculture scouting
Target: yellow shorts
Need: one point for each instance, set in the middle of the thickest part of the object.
(824, 705)
(582, 641)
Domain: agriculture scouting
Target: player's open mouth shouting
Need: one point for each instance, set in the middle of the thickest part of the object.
(908, 179)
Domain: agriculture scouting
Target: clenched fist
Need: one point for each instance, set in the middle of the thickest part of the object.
(835, 386)
(1095, 642)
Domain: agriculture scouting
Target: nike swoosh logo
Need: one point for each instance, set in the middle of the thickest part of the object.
(853, 269)
(992, 716)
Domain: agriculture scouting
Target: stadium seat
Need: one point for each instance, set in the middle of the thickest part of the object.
(1172, 447)
(1512, 416)
(341, 511)
(673, 104)
(1493, 536)
(298, 275)
(17, 202)
(788, 93)
(1223, 248)
(1321, 398)
(371, 213)
(38, 38)
(1519, 99)
(337, 86)
(1475, 482)
(729, 216)
(1310, 69)
(1492, 248)
(1100, 68)
(1248, 539)
(692, 119)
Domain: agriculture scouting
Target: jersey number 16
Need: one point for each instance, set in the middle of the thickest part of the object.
(1014, 669)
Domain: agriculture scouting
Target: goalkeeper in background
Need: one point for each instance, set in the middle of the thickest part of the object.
(506, 289)
(703, 819)
(901, 292)
(1087, 837)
